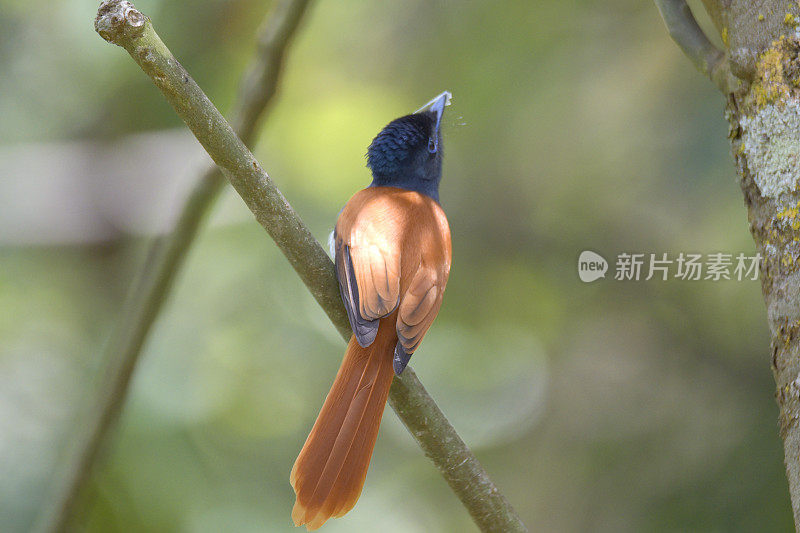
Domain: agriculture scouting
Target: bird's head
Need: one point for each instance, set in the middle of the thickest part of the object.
(407, 153)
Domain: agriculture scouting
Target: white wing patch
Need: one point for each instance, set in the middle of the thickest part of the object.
(332, 244)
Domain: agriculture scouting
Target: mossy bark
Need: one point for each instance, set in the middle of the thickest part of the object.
(764, 117)
(761, 49)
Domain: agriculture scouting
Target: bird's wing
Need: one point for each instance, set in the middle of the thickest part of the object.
(423, 297)
(419, 307)
(368, 267)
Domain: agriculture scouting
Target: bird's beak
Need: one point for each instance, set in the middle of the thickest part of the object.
(436, 106)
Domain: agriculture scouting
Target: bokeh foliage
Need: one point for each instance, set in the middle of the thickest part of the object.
(575, 125)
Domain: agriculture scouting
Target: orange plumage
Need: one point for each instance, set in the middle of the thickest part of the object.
(393, 256)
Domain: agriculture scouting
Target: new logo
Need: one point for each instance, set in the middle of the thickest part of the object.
(591, 266)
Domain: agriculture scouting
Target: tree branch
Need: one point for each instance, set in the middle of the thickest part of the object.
(688, 35)
(166, 256)
(120, 23)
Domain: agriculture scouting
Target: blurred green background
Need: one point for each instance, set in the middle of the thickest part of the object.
(611, 406)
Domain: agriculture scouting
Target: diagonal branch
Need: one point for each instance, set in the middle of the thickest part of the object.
(120, 23)
(165, 259)
(688, 35)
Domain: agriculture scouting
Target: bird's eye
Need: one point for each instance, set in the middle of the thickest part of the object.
(432, 145)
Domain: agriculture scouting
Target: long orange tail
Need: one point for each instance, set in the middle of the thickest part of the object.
(329, 473)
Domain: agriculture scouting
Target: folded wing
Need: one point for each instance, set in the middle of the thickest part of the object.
(392, 251)
(368, 267)
(419, 307)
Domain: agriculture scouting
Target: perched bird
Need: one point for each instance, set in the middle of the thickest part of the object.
(392, 255)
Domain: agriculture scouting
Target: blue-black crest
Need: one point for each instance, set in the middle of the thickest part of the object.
(407, 153)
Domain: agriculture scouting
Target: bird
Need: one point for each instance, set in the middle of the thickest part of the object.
(392, 253)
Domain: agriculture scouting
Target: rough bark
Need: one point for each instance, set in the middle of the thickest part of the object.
(762, 45)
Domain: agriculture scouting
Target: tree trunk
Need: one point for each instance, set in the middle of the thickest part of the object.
(762, 42)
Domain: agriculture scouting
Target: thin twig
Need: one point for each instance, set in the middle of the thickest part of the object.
(166, 257)
(120, 23)
(688, 35)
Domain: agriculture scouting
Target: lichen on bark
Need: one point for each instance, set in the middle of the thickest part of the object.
(764, 115)
(770, 121)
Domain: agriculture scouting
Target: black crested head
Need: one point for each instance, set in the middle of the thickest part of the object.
(407, 153)
(407, 147)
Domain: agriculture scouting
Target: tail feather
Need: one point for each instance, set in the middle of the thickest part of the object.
(316, 449)
(344, 442)
(354, 470)
(329, 472)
